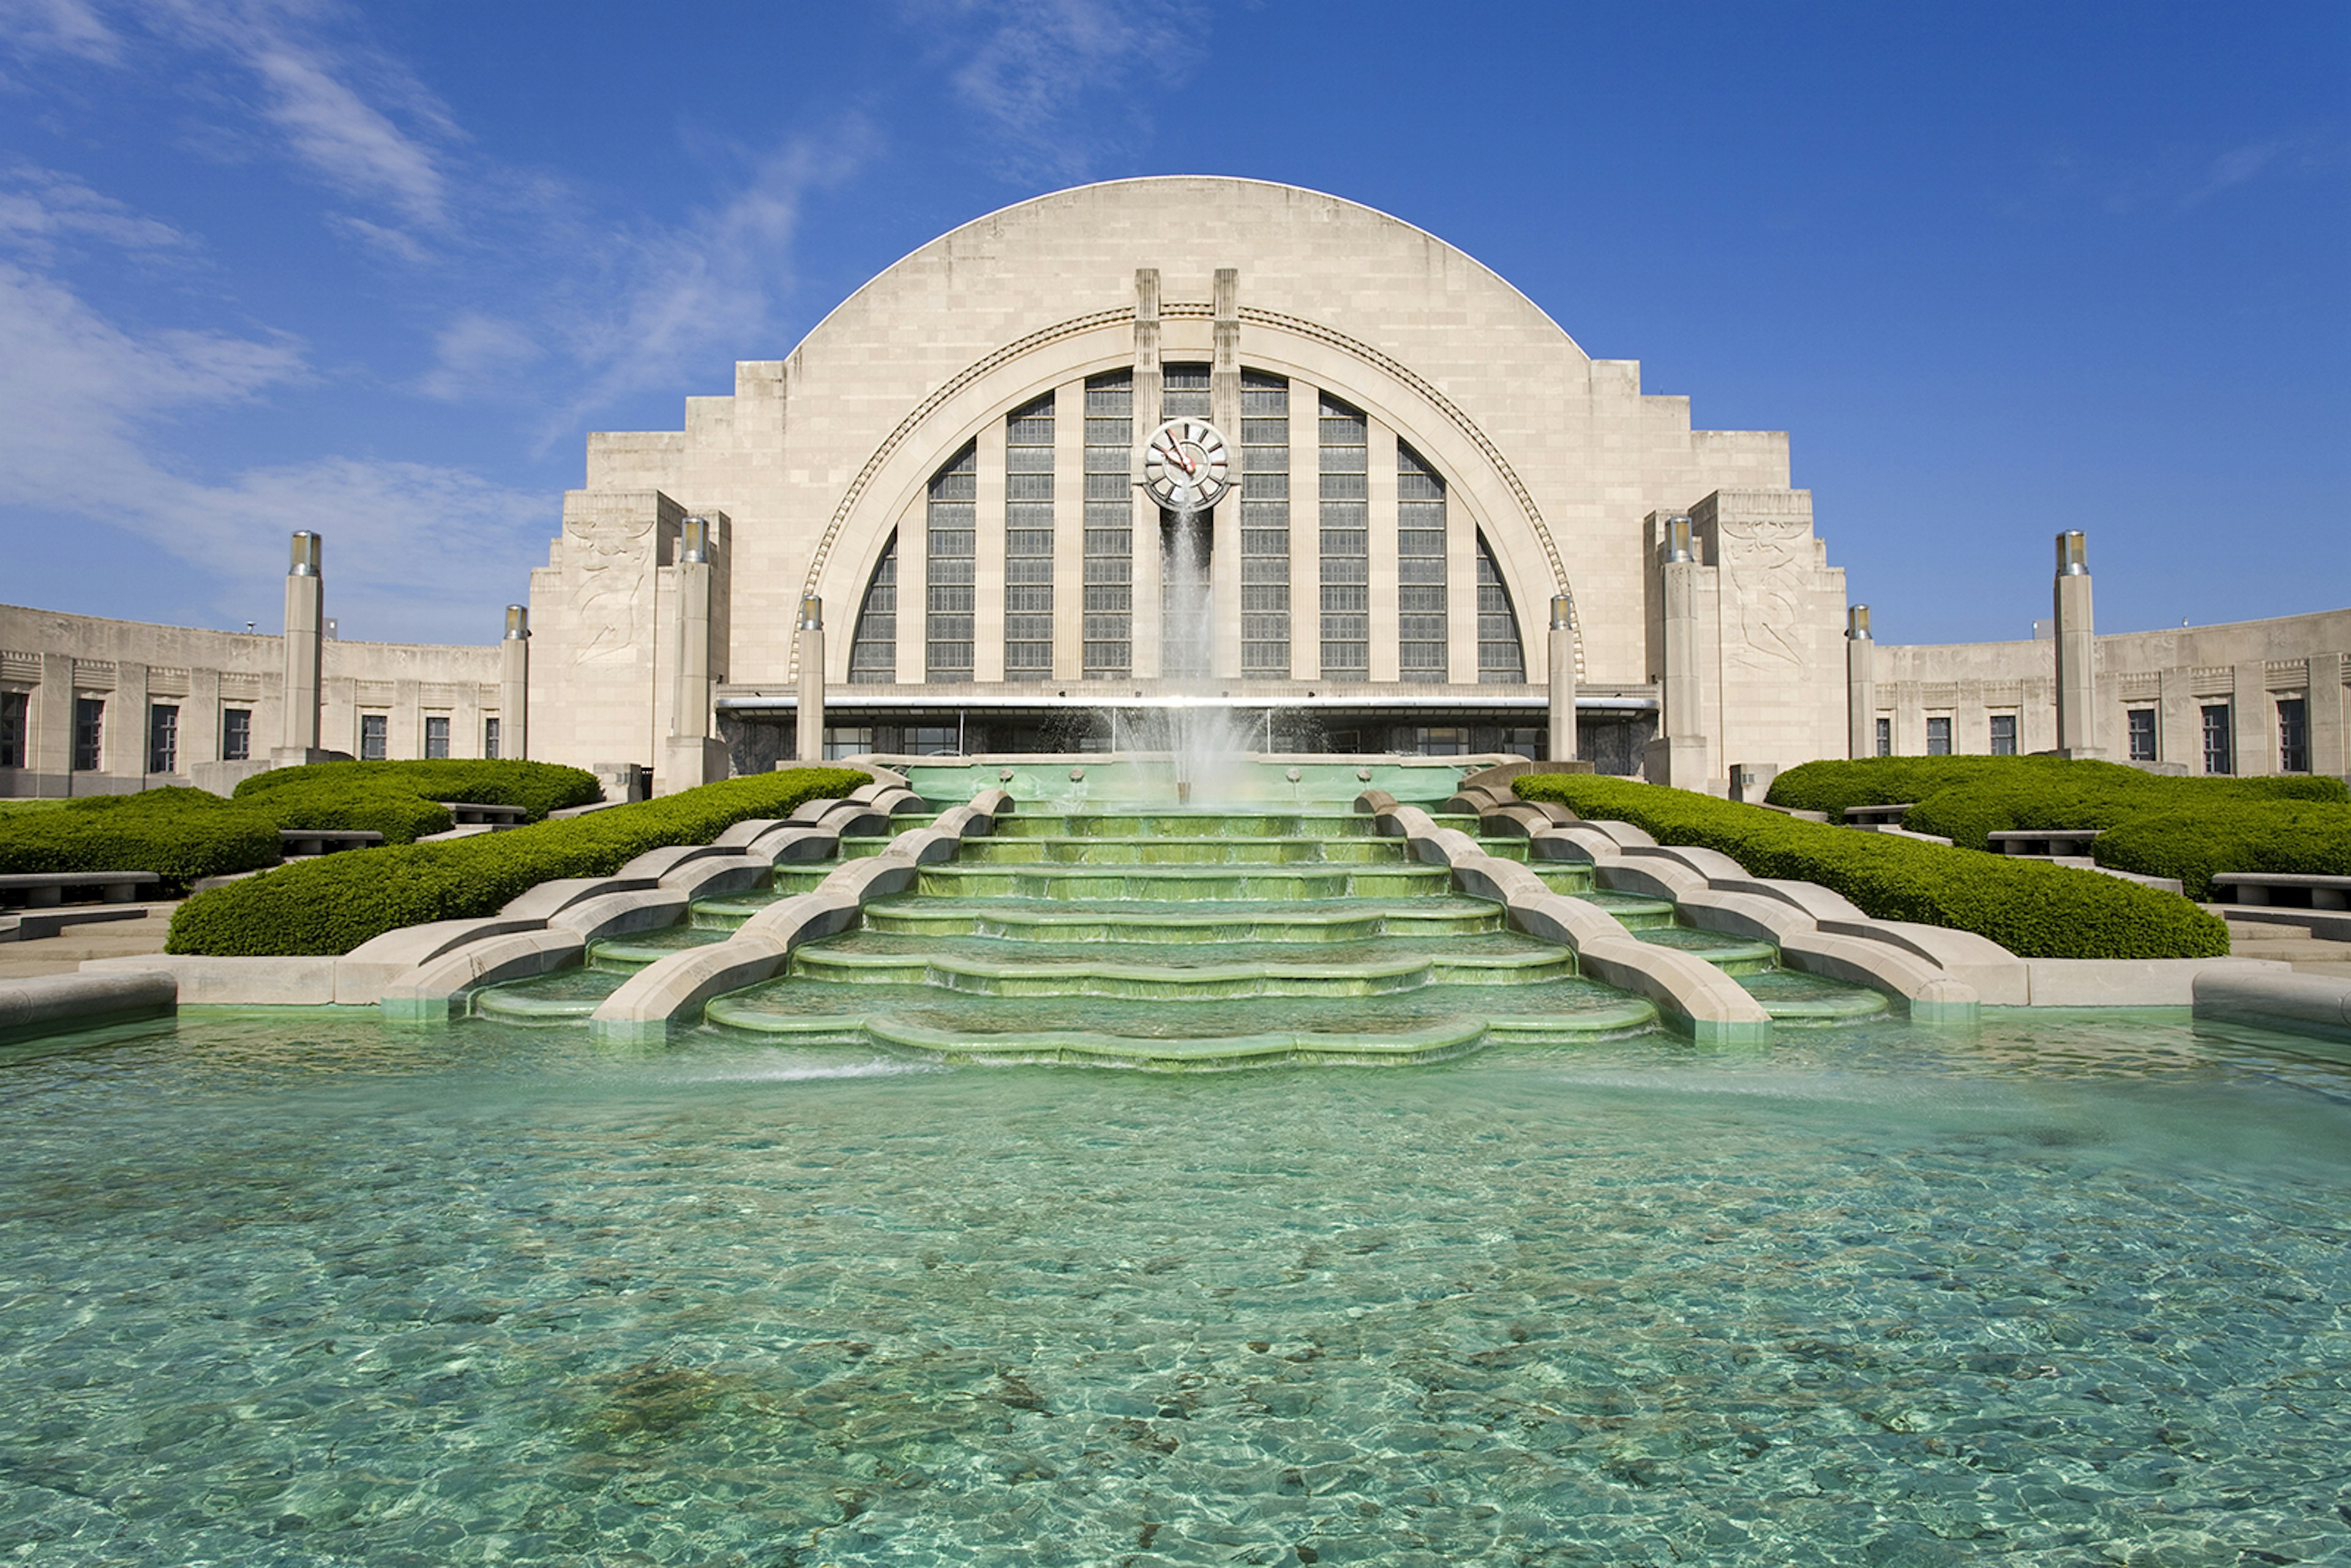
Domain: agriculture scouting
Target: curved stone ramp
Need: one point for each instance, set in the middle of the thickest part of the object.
(675, 989)
(41, 1005)
(1715, 892)
(425, 973)
(1693, 996)
(2316, 1006)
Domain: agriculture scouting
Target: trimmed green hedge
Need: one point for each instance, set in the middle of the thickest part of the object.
(2154, 824)
(2030, 907)
(399, 799)
(333, 903)
(179, 834)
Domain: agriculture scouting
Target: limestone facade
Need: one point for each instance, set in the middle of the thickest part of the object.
(93, 706)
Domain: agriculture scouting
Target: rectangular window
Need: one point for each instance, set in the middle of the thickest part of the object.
(1183, 391)
(90, 730)
(1345, 465)
(373, 729)
(2294, 735)
(1422, 630)
(1265, 526)
(847, 740)
(2140, 725)
(1938, 738)
(2003, 734)
(931, 740)
(237, 735)
(2220, 745)
(1885, 737)
(874, 647)
(490, 738)
(1028, 542)
(14, 708)
(952, 514)
(1439, 740)
(1109, 526)
(163, 737)
(436, 735)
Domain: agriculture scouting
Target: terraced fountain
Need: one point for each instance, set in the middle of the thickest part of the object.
(1101, 932)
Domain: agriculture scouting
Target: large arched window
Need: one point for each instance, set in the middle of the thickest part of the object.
(951, 516)
(874, 650)
(1501, 656)
(1028, 542)
(1109, 602)
(1265, 526)
(1346, 465)
(1420, 569)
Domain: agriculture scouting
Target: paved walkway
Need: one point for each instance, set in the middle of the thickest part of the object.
(2309, 955)
(63, 953)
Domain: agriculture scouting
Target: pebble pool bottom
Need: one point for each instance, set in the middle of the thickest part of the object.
(2065, 1289)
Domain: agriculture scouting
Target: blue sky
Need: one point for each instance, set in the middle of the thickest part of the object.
(1999, 270)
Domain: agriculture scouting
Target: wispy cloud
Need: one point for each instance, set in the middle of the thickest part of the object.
(1042, 73)
(86, 404)
(474, 349)
(58, 26)
(714, 287)
(40, 208)
(2235, 167)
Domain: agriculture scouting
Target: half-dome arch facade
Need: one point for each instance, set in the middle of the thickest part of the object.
(952, 464)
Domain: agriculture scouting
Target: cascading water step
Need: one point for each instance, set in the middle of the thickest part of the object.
(1374, 967)
(1424, 1026)
(1110, 922)
(1147, 851)
(1734, 956)
(1798, 999)
(1181, 883)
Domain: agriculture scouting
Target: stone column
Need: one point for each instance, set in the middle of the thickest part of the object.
(305, 653)
(1305, 531)
(1562, 679)
(1225, 522)
(810, 715)
(689, 761)
(1677, 757)
(2329, 752)
(514, 685)
(2078, 698)
(1860, 685)
(988, 516)
(2253, 715)
(1146, 613)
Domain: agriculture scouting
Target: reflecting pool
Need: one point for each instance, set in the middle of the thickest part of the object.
(308, 1289)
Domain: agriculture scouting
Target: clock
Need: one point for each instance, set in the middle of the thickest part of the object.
(1184, 467)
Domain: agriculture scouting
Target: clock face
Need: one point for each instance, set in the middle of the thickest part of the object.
(1185, 466)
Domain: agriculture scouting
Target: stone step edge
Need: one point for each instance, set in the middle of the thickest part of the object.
(671, 992)
(1626, 859)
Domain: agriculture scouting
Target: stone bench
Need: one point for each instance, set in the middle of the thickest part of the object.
(47, 889)
(2050, 841)
(468, 813)
(1876, 816)
(302, 843)
(2281, 889)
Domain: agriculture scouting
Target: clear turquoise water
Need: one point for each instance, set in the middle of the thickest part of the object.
(2064, 1290)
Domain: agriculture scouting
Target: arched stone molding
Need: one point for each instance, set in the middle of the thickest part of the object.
(1479, 476)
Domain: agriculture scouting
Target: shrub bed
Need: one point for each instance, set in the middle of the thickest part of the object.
(333, 903)
(2154, 825)
(399, 799)
(2031, 908)
(179, 834)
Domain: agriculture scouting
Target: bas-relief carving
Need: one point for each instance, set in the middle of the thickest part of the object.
(1763, 560)
(608, 565)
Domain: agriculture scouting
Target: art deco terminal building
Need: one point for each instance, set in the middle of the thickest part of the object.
(1400, 509)
(952, 462)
